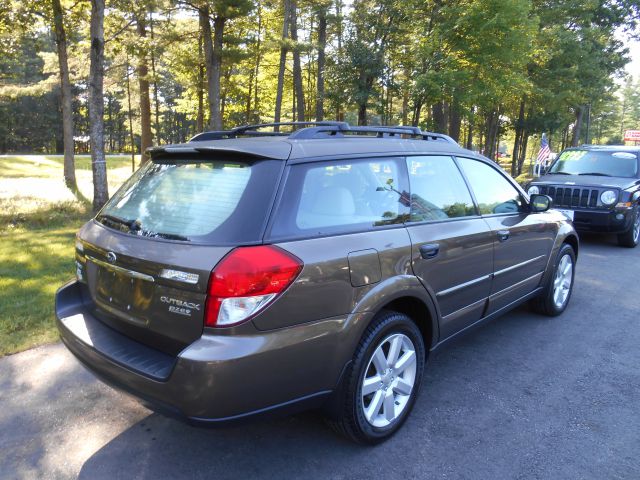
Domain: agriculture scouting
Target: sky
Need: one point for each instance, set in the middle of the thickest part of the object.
(634, 66)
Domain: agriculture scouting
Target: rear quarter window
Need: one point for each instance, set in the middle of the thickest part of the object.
(341, 197)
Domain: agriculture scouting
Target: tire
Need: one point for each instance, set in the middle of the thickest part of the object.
(631, 237)
(555, 296)
(394, 393)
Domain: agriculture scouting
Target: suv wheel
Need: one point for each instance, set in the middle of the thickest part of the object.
(631, 237)
(556, 294)
(383, 380)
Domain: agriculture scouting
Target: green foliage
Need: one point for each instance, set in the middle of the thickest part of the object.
(387, 61)
(37, 230)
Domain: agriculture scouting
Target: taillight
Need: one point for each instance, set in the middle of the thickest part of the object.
(246, 281)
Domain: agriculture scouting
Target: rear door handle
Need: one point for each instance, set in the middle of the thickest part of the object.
(503, 235)
(429, 250)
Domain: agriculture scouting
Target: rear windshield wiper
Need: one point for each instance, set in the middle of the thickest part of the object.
(168, 236)
(597, 174)
(133, 224)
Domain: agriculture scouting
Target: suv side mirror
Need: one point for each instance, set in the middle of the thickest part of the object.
(540, 203)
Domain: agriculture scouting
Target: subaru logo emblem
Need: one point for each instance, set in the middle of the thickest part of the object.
(111, 257)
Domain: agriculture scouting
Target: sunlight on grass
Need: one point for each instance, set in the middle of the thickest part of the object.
(39, 217)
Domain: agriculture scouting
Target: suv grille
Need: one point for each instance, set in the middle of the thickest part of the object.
(574, 197)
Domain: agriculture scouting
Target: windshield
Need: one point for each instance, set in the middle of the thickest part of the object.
(591, 162)
(224, 202)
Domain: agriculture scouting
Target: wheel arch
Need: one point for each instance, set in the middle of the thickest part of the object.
(572, 240)
(418, 311)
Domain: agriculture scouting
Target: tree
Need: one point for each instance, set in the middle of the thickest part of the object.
(286, 19)
(322, 45)
(65, 95)
(297, 69)
(143, 82)
(96, 105)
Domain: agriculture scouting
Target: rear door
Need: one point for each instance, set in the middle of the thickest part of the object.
(522, 240)
(452, 246)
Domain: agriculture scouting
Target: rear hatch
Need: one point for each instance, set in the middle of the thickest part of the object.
(146, 257)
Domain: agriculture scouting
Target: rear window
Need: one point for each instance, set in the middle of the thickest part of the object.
(335, 197)
(592, 162)
(210, 201)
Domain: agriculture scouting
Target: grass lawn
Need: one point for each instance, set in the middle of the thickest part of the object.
(38, 220)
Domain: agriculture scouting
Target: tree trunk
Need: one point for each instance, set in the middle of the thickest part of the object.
(212, 91)
(283, 61)
(518, 140)
(322, 44)
(143, 85)
(405, 105)
(130, 115)
(469, 145)
(577, 129)
(362, 114)
(439, 117)
(66, 97)
(523, 151)
(156, 100)
(257, 65)
(455, 120)
(339, 28)
(200, 89)
(297, 69)
(96, 105)
(218, 36)
(417, 109)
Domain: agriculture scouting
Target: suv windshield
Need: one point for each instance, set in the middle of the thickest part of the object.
(608, 163)
(221, 202)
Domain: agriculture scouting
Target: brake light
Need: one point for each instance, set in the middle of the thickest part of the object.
(246, 281)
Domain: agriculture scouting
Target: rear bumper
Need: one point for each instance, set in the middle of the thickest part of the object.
(608, 221)
(218, 378)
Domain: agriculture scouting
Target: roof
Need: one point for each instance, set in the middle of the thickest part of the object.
(615, 148)
(330, 139)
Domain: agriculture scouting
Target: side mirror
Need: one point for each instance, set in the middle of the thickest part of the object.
(540, 203)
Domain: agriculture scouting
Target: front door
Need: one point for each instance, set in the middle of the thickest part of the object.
(522, 240)
(452, 246)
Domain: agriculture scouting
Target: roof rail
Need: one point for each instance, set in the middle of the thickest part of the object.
(321, 130)
(380, 131)
(252, 130)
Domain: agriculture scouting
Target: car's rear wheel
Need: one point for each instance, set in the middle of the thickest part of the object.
(383, 380)
(554, 298)
(631, 237)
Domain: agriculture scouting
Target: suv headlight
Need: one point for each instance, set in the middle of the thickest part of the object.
(608, 197)
(533, 190)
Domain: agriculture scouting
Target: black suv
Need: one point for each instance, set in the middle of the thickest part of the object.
(247, 271)
(598, 187)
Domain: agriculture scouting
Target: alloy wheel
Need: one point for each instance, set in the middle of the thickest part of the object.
(389, 380)
(562, 281)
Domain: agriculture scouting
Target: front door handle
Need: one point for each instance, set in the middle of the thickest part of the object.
(429, 250)
(503, 235)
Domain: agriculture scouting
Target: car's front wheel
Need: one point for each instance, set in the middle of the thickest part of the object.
(383, 380)
(631, 237)
(554, 298)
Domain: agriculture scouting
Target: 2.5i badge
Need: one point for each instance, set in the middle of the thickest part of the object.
(180, 307)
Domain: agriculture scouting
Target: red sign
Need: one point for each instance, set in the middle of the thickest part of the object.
(632, 136)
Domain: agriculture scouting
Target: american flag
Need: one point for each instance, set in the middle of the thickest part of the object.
(544, 152)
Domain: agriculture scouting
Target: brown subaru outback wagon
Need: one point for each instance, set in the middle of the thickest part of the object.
(251, 271)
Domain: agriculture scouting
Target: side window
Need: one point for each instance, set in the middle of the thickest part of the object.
(334, 197)
(493, 192)
(438, 191)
